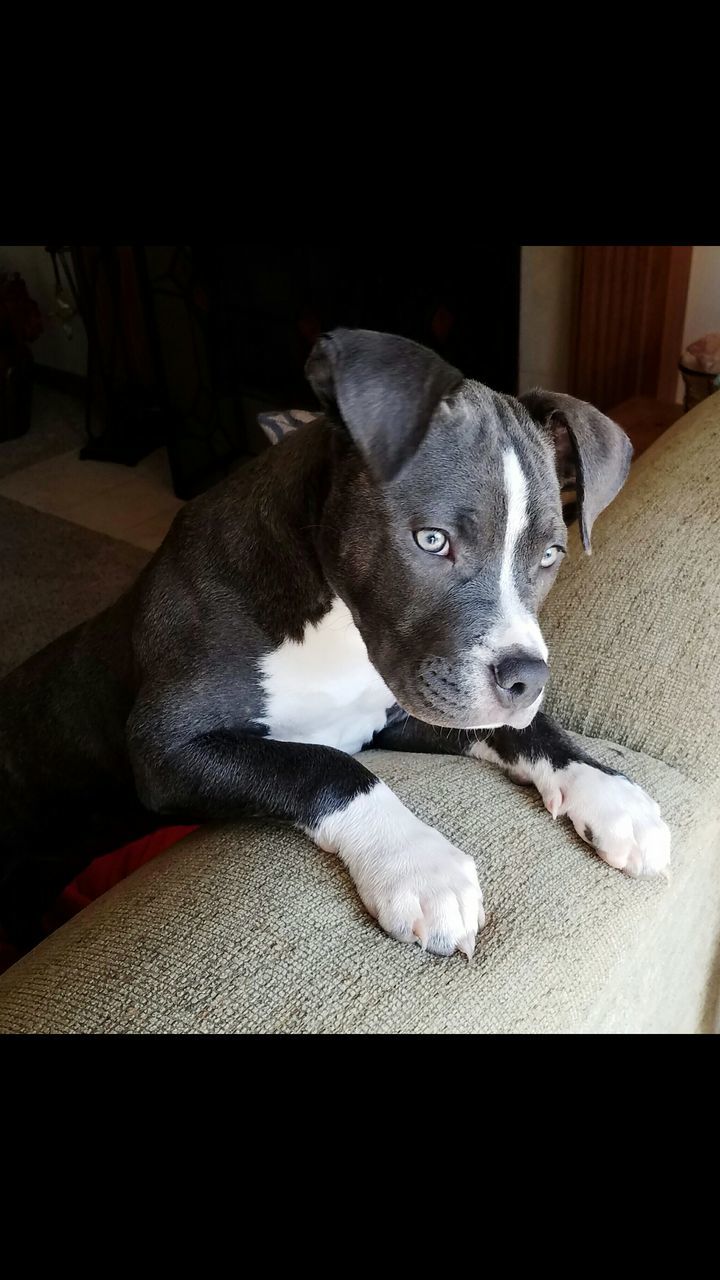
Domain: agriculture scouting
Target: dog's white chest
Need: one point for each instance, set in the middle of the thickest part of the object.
(325, 689)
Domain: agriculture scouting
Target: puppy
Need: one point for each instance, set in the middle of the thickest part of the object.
(374, 580)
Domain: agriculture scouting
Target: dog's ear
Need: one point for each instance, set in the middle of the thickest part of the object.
(591, 451)
(385, 390)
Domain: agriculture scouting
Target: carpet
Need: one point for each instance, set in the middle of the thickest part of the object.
(54, 575)
(57, 426)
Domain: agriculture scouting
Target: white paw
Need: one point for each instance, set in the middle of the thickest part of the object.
(417, 885)
(426, 891)
(614, 815)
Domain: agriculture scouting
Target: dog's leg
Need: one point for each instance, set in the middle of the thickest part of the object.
(608, 811)
(411, 879)
(405, 733)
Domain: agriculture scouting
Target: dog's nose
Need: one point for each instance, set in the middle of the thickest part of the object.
(519, 678)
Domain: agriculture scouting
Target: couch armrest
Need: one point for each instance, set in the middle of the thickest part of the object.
(634, 631)
(250, 927)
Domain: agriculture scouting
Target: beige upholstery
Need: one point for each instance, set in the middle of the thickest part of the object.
(634, 629)
(250, 928)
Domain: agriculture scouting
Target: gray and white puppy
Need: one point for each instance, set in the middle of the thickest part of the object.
(372, 580)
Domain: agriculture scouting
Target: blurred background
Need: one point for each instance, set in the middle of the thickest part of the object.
(131, 376)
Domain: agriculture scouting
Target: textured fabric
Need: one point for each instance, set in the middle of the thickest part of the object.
(634, 630)
(53, 575)
(280, 424)
(101, 875)
(252, 929)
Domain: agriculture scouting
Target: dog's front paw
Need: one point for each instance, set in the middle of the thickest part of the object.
(614, 815)
(427, 891)
(416, 884)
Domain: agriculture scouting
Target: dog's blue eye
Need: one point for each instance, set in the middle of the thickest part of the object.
(550, 555)
(432, 540)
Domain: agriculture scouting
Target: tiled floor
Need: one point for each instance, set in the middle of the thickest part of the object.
(135, 504)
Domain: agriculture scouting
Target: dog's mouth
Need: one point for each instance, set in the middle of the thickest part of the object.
(481, 687)
(466, 696)
(470, 719)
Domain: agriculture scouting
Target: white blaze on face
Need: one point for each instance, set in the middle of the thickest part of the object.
(516, 491)
(516, 626)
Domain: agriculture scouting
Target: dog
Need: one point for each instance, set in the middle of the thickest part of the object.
(373, 580)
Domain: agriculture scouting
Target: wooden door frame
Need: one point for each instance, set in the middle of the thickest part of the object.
(628, 321)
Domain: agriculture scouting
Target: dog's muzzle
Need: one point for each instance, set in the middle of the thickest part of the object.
(478, 690)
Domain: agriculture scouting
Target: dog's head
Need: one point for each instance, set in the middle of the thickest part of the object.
(444, 529)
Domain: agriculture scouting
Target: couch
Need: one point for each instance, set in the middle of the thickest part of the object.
(249, 928)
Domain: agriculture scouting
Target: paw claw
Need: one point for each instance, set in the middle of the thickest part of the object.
(420, 930)
(467, 946)
(554, 802)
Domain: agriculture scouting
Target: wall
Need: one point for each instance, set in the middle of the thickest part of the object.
(546, 297)
(546, 304)
(702, 314)
(53, 347)
(703, 305)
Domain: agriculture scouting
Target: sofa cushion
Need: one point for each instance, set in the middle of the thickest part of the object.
(633, 630)
(250, 928)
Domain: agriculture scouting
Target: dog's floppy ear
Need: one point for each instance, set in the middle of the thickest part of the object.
(591, 451)
(385, 389)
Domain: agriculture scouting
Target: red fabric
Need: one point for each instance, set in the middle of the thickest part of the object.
(96, 879)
